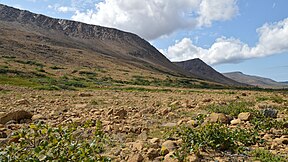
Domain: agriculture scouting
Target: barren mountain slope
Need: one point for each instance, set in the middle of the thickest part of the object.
(35, 36)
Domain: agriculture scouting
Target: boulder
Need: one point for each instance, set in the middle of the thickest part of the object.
(245, 116)
(16, 115)
(217, 117)
(270, 113)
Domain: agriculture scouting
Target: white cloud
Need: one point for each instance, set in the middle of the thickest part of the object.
(273, 39)
(65, 9)
(220, 10)
(154, 18)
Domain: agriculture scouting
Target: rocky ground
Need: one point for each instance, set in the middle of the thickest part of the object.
(144, 124)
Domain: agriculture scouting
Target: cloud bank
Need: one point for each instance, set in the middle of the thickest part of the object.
(273, 39)
(152, 19)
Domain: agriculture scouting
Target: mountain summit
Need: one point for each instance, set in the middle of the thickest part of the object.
(199, 68)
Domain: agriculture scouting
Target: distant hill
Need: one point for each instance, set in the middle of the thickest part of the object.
(255, 80)
(199, 68)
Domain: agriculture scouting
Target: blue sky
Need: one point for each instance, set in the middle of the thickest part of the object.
(231, 35)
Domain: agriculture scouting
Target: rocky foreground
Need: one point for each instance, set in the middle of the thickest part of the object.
(145, 124)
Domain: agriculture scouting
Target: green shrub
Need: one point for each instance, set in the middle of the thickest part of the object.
(233, 108)
(275, 99)
(40, 70)
(30, 62)
(266, 156)
(217, 137)
(89, 73)
(260, 122)
(63, 143)
(75, 84)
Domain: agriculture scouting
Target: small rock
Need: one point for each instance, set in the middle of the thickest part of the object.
(22, 102)
(2, 114)
(235, 122)
(244, 94)
(11, 122)
(169, 125)
(22, 121)
(169, 145)
(207, 100)
(138, 146)
(175, 103)
(3, 135)
(281, 141)
(143, 136)
(192, 123)
(245, 116)
(169, 158)
(17, 116)
(13, 140)
(192, 158)
(81, 94)
(38, 117)
(154, 141)
(267, 137)
(285, 125)
(217, 117)
(158, 159)
(116, 151)
(121, 113)
(164, 111)
(110, 112)
(180, 122)
(152, 153)
(80, 106)
(136, 158)
(272, 113)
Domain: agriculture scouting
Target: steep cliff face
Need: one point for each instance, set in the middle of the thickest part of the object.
(107, 41)
(199, 68)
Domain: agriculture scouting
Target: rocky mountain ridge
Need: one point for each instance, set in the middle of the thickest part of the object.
(106, 41)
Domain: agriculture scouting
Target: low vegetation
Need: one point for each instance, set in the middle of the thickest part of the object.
(42, 142)
(217, 137)
(266, 156)
(232, 109)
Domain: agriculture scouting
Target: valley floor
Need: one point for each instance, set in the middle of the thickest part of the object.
(149, 124)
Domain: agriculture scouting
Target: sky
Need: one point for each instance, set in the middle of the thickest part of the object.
(250, 36)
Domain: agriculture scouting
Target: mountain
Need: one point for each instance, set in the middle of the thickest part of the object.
(255, 80)
(199, 68)
(26, 35)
